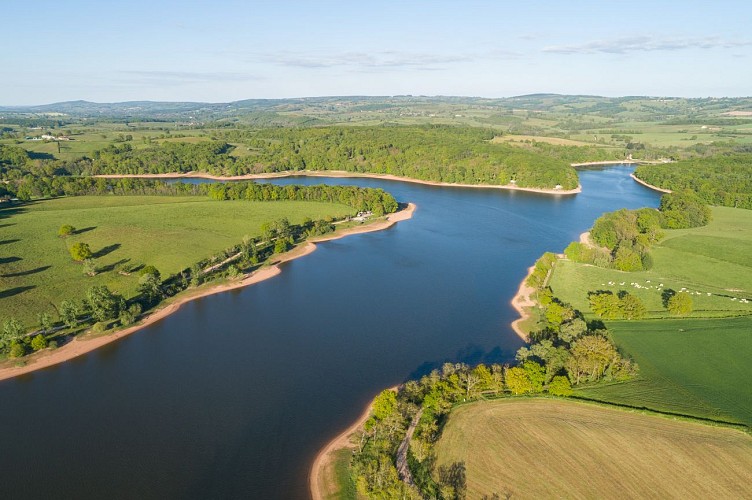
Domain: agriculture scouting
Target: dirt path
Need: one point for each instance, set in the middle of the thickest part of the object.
(402, 467)
(79, 345)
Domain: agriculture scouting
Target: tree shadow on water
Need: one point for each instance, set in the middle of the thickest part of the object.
(15, 291)
(25, 273)
(471, 355)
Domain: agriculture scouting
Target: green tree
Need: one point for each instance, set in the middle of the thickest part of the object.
(384, 404)
(39, 342)
(89, 267)
(680, 304)
(80, 252)
(12, 331)
(69, 312)
(66, 230)
(517, 380)
(16, 350)
(150, 287)
(631, 306)
(536, 374)
(45, 321)
(560, 386)
(104, 304)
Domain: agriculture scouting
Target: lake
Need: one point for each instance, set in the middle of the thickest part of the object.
(232, 396)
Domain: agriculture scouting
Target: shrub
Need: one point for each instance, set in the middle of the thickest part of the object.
(17, 350)
(560, 386)
(66, 230)
(680, 304)
(39, 342)
(80, 252)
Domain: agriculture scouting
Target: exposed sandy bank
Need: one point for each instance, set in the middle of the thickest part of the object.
(80, 346)
(656, 188)
(522, 302)
(333, 173)
(322, 479)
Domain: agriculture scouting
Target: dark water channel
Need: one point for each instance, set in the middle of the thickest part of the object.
(232, 396)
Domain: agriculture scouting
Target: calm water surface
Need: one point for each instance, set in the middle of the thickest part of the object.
(232, 396)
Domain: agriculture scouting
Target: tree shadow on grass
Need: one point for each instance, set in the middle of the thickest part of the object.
(8, 260)
(15, 291)
(25, 273)
(5, 242)
(666, 296)
(113, 266)
(106, 250)
(84, 230)
(6, 225)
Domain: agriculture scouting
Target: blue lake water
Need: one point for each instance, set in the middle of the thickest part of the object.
(232, 396)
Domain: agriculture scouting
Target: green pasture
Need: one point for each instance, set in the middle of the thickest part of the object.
(171, 233)
(712, 263)
(698, 367)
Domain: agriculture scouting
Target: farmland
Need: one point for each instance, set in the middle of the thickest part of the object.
(538, 448)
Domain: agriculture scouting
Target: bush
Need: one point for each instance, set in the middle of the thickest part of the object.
(560, 386)
(80, 252)
(680, 304)
(66, 230)
(39, 342)
(17, 350)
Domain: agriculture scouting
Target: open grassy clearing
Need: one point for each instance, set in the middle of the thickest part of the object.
(697, 367)
(550, 140)
(714, 259)
(538, 448)
(171, 233)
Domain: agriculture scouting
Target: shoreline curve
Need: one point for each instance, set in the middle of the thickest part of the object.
(521, 301)
(78, 347)
(333, 173)
(649, 186)
(340, 442)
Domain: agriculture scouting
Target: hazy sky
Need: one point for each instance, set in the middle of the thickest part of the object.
(224, 50)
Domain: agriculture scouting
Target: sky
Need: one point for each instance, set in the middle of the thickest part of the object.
(223, 50)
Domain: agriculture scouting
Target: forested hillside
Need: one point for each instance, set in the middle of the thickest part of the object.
(434, 153)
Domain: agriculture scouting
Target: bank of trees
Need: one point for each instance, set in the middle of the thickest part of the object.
(722, 179)
(431, 152)
(563, 353)
(624, 238)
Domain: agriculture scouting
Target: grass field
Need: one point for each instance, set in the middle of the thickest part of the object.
(171, 233)
(538, 448)
(698, 367)
(714, 259)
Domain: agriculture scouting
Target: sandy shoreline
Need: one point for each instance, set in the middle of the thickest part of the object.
(650, 186)
(78, 346)
(521, 302)
(332, 173)
(325, 456)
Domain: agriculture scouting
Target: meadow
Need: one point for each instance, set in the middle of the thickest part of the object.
(543, 448)
(712, 263)
(124, 232)
(697, 367)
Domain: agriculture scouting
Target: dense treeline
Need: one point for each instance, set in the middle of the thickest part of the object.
(375, 200)
(626, 236)
(564, 352)
(435, 153)
(557, 359)
(719, 180)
